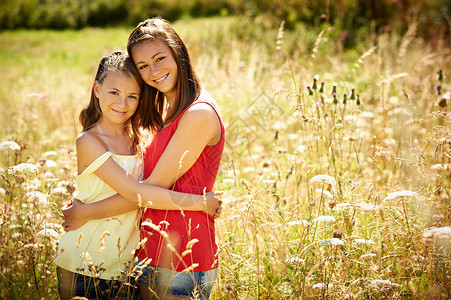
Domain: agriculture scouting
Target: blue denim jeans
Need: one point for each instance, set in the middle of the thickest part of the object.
(167, 282)
(74, 284)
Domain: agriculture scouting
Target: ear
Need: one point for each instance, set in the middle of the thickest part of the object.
(96, 88)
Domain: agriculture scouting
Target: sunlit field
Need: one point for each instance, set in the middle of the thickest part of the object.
(336, 171)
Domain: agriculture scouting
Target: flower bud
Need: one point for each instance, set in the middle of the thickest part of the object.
(310, 92)
(352, 94)
(438, 88)
(321, 89)
(358, 100)
(334, 95)
(334, 88)
(315, 79)
(345, 97)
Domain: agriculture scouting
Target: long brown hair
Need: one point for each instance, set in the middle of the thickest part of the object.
(188, 87)
(118, 61)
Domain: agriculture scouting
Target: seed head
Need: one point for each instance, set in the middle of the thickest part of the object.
(337, 234)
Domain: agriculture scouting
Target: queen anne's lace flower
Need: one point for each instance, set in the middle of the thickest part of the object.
(38, 198)
(379, 282)
(399, 194)
(363, 241)
(9, 145)
(324, 179)
(23, 168)
(332, 242)
(325, 219)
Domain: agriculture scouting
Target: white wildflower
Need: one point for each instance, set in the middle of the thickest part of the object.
(321, 286)
(38, 198)
(50, 164)
(50, 153)
(228, 180)
(363, 241)
(379, 282)
(400, 194)
(440, 167)
(268, 182)
(51, 233)
(60, 191)
(278, 125)
(9, 145)
(332, 242)
(295, 260)
(367, 114)
(324, 219)
(38, 95)
(293, 136)
(301, 148)
(324, 179)
(368, 256)
(366, 206)
(22, 168)
(248, 169)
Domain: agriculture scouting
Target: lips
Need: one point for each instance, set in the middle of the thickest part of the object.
(161, 79)
(119, 112)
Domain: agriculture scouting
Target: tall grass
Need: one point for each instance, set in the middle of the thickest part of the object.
(325, 198)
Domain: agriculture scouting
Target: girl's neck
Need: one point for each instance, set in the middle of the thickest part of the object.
(104, 128)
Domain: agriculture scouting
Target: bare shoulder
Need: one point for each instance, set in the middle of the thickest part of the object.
(89, 147)
(200, 113)
(88, 140)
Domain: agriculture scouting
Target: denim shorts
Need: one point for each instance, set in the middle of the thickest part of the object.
(73, 284)
(168, 282)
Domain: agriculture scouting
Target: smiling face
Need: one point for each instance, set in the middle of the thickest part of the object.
(118, 95)
(157, 66)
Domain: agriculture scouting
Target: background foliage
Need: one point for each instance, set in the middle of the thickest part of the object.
(355, 17)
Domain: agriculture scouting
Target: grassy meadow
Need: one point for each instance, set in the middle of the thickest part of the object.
(344, 196)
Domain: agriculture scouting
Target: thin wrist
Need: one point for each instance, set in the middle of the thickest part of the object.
(86, 212)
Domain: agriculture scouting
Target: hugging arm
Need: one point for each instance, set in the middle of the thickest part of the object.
(181, 153)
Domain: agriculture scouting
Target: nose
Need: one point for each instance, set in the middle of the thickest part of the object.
(121, 102)
(154, 69)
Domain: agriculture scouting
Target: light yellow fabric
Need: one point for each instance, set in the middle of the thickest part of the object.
(122, 230)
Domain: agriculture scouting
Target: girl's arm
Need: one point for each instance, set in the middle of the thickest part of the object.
(198, 127)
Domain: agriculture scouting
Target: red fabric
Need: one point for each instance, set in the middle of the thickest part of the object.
(188, 225)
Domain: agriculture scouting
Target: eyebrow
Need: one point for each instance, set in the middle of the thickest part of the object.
(141, 62)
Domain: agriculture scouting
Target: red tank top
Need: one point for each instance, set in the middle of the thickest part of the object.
(189, 225)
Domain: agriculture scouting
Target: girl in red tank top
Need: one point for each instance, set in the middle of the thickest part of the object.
(180, 249)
